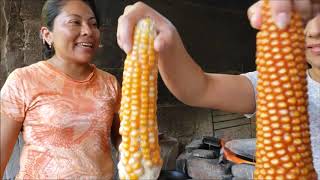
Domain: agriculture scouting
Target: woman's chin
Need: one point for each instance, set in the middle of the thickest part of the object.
(84, 59)
(315, 65)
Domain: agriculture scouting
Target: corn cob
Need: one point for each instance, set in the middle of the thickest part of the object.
(139, 149)
(283, 138)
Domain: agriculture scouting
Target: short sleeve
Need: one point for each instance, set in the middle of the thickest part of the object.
(253, 78)
(13, 106)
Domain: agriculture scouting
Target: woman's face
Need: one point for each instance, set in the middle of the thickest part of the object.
(312, 32)
(75, 33)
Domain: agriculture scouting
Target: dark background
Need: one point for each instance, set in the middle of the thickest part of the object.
(216, 33)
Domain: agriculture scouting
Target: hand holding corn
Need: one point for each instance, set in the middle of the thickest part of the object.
(283, 137)
(281, 11)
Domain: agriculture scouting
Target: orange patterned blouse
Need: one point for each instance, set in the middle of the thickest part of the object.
(66, 123)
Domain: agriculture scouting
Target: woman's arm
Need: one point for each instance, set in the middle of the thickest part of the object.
(9, 134)
(115, 136)
(183, 77)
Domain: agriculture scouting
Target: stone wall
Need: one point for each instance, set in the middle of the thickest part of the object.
(20, 43)
(216, 33)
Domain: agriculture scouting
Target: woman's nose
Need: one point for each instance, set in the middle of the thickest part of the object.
(314, 30)
(86, 30)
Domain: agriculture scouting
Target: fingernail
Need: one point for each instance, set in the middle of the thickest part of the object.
(254, 21)
(126, 48)
(282, 20)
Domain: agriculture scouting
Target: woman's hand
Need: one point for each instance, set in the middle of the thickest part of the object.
(281, 11)
(166, 32)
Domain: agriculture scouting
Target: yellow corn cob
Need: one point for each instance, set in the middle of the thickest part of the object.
(283, 138)
(139, 149)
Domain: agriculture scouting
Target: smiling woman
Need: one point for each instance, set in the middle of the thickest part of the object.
(71, 31)
(312, 33)
(49, 13)
(66, 107)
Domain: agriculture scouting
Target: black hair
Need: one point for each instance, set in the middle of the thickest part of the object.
(51, 9)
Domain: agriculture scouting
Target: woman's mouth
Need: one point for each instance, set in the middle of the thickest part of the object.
(314, 48)
(85, 44)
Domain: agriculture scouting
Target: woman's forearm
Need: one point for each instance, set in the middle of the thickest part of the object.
(9, 134)
(183, 77)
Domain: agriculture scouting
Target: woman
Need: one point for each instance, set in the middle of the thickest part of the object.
(65, 106)
(234, 93)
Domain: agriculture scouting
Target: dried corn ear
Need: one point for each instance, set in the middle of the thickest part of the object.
(139, 150)
(283, 138)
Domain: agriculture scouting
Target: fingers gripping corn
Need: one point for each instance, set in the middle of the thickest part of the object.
(139, 149)
(283, 138)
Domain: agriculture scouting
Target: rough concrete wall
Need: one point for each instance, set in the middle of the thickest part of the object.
(216, 34)
(20, 43)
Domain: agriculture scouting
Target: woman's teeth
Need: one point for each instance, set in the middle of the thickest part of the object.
(90, 45)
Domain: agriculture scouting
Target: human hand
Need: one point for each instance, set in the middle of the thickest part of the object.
(166, 32)
(281, 11)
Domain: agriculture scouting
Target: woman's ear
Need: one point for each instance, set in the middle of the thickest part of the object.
(46, 36)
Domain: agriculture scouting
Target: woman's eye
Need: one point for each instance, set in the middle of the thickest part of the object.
(75, 22)
(94, 23)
